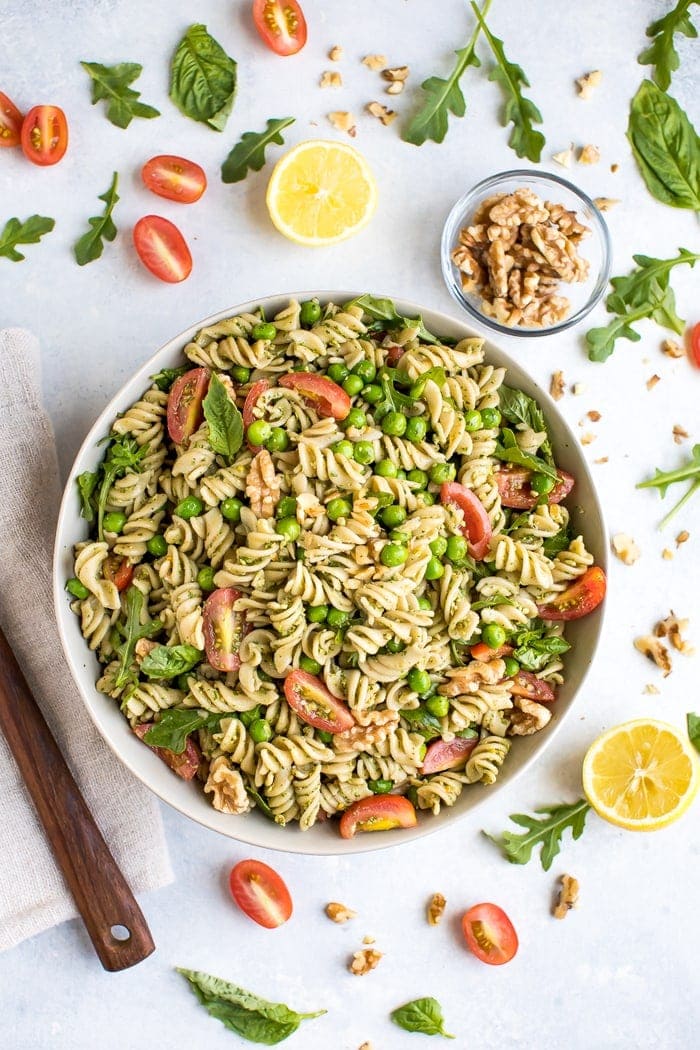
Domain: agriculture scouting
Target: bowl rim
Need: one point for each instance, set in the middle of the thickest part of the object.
(288, 840)
(492, 182)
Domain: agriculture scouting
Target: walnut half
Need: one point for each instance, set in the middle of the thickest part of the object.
(363, 961)
(339, 912)
(568, 897)
(672, 628)
(527, 717)
(655, 651)
(436, 907)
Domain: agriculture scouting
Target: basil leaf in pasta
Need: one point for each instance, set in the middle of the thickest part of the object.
(168, 661)
(224, 419)
(261, 803)
(203, 78)
(167, 376)
(112, 84)
(665, 146)
(28, 232)
(249, 153)
(421, 1015)
(102, 228)
(545, 831)
(422, 721)
(535, 654)
(385, 311)
(174, 726)
(558, 542)
(87, 483)
(517, 407)
(693, 722)
(510, 452)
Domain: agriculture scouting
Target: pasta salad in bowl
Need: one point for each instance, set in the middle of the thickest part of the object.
(328, 557)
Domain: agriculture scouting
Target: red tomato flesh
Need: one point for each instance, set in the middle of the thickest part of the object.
(443, 755)
(481, 651)
(325, 395)
(477, 526)
(489, 933)
(514, 488)
(10, 122)
(119, 571)
(526, 684)
(260, 893)
(223, 629)
(44, 135)
(174, 178)
(185, 399)
(250, 402)
(578, 600)
(185, 765)
(694, 335)
(162, 249)
(378, 813)
(281, 24)
(308, 696)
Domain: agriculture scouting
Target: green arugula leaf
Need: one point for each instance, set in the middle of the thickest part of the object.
(262, 805)
(666, 147)
(90, 245)
(546, 832)
(28, 232)
(112, 84)
(510, 452)
(519, 111)
(517, 407)
(243, 1012)
(132, 632)
(693, 722)
(384, 310)
(662, 53)
(123, 456)
(224, 419)
(421, 1015)
(87, 483)
(175, 725)
(249, 153)
(203, 78)
(167, 376)
(491, 603)
(689, 471)
(168, 661)
(559, 542)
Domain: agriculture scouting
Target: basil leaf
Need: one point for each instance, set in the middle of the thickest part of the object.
(249, 153)
(510, 452)
(224, 419)
(112, 84)
(173, 728)
(421, 1015)
(167, 376)
(666, 147)
(422, 721)
(517, 407)
(384, 310)
(559, 542)
(662, 52)
(90, 245)
(203, 78)
(261, 803)
(535, 655)
(28, 232)
(87, 483)
(490, 603)
(693, 721)
(168, 661)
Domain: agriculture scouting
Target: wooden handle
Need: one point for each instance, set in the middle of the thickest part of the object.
(113, 919)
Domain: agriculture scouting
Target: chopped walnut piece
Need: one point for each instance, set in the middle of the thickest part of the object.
(679, 434)
(655, 651)
(363, 961)
(368, 939)
(614, 168)
(339, 913)
(436, 907)
(594, 416)
(568, 897)
(589, 155)
(652, 381)
(366, 1046)
(667, 554)
(587, 438)
(331, 79)
(143, 647)
(672, 349)
(672, 628)
(625, 548)
(682, 537)
(527, 717)
(605, 203)
(395, 87)
(376, 109)
(263, 485)
(588, 83)
(343, 121)
(602, 459)
(557, 386)
(651, 690)
(578, 389)
(374, 61)
(565, 157)
(396, 73)
(336, 53)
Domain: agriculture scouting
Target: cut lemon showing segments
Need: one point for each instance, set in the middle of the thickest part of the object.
(321, 192)
(641, 775)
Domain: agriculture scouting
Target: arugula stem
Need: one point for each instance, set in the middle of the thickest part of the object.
(681, 503)
(662, 480)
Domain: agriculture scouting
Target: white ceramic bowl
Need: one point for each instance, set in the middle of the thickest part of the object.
(188, 798)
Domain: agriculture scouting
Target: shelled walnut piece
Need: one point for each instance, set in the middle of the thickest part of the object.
(363, 961)
(568, 897)
(339, 912)
(436, 908)
(515, 253)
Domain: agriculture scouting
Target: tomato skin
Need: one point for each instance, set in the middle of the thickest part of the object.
(526, 684)
(477, 525)
(489, 933)
(10, 122)
(329, 398)
(44, 135)
(694, 341)
(306, 694)
(378, 813)
(162, 249)
(395, 354)
(481, 651)
(184, 765)
(175, 178)
(443, 755)
(580, 599)
(185, 399)
(281, 24)
(514, 488)
(260, 893)
(251, 401)
(119, 571)
(223, 629)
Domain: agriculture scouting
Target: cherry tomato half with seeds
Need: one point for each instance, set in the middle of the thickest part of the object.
(10, 122)
(378, 813)
(578, 600)
(308, 696)
(260, 893)
(251, 401)
(162, 249)
(174, 178)
(44, 135)
(515, 491)
(119, 571)
(223, 629)
(481, 651)
(489, 933)
(694, 335)
(184, 765)
(527, 684)
(325, 395)
(185, 399)
(477, 525)
(453, 754)
(281, 24)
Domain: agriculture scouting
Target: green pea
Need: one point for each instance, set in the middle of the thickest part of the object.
(157, 546)
(539, 483)
(355, 418)
(434, 569)
(248, 717)
(416, 429)
(395, 646)
(372, 394)
(393, 554)
(427, 498)
(365, 370)
(472, 420)
(260, 730)
(394, 424)
(205, 578)
(511, 666)
(380, 787)
(386, 469)
(231, 509)
(189, 507)
(438, 705)
(491, 417)
(278, 440)
(264, 330)
(342, 448)
(419, 681)
(399, 536)
(258, 432)
(493, 635)
(310, 312)
(456, 549)
(418, 477)
(393, 516)
(287, 507)
(338, 372)
(324, 736)
(240, 374)
(289, 528)
(442, 472)
(352, 385)
(317, 613)
(438, 546)
(424, 604)
(76, 588)
(363, 452)
(338, 508)
(306, 663)
(114, 521)
(337, 618)
(401, 475)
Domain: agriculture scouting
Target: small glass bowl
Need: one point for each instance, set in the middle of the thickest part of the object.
(595, 247)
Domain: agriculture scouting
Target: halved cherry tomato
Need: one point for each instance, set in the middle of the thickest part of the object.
(185, 404)
(514, 488)
(442, 754)
(185, 765)
(162, 249)
(490, 934)
(10, 122)
(308, 696)
(119, 571)
(578, 600)
(174, 178)
(261, 893)
(694, 335)
(477, 526)
(394, 354)
(378, 813)
(325, 395)
(481, 651)
(251, 401)
(525, 683)
(223, 629)
(44, 135)
(281, 24)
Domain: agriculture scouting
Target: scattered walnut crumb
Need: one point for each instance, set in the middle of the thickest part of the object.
(589, 155)
(625, 548)
(343, 121)
(395, 88)
(672, 628)
(374, 61)
(557, 386)
(614, 168)
(331, 79)
(386, 116)
(672, 349)
(363, 961)
(655, 651)
(565, 157)
(587, 438)
(651, 690)
(605, 203)
(568, 897)
(366, 1046)
(336, 53)
(578, 389)
(143, 647)
(682, 537)
(594, 415)
(602, 459)
(679, 434)
(339, 913)
(396, 73)
(652, 381)
(667, 554)
(436, 907)
(368, 939)
(588, 83)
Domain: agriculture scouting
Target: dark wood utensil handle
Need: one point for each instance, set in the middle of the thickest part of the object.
(100, 890)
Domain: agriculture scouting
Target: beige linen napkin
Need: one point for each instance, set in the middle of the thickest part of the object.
(33, 896)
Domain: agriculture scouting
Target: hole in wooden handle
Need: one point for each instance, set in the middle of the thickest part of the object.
(121, 933)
